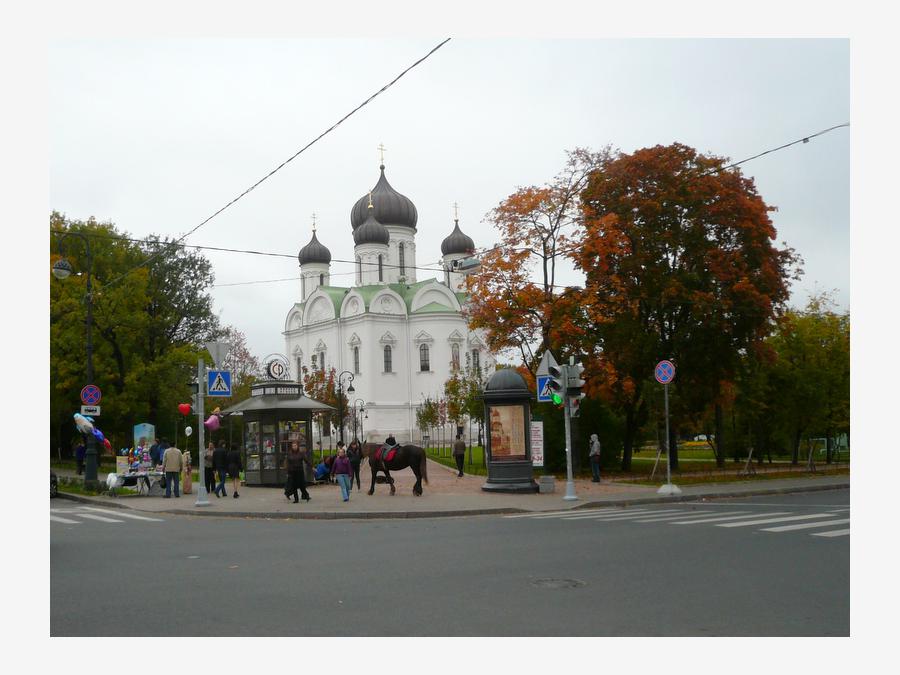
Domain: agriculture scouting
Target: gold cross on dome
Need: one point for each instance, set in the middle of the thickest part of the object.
(381, 149)
(314, 221)
(370, 199)
(455, 211)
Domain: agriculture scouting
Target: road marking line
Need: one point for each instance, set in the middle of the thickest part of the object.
(548, 514)
(696, 515)
(835, 533)
(100, 518)
(627, 516)
(776, 520)
(805, 526)
(57, 519)
(123, 515)
(718, 520)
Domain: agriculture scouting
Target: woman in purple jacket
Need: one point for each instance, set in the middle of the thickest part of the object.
(340, 469)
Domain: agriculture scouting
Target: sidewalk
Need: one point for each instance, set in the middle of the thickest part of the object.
(444, 495)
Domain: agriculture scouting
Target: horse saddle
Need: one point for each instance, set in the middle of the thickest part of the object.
(386, 453)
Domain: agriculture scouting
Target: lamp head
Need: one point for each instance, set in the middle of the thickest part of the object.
(62, 269)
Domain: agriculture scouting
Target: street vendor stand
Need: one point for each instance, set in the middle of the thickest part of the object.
(276, 415)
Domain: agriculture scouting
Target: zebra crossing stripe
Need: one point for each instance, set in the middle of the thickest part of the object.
(697, 515)
(618, 515)
(123, 515)
(834, 533)
(748, 523)
(556, 513)
(566, 514)
(100, 518)
(805, 526)
(718, 519)
(57, 519)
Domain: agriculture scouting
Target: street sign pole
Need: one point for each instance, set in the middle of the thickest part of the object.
(665, 373)
(570, 482)
(202, 497)
(668, 449)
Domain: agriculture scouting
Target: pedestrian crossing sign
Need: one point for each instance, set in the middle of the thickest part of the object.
(543, 389)
(218, 383)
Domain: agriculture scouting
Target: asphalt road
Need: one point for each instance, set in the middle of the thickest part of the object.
(608, 574)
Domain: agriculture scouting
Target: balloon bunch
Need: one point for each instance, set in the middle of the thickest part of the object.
(86, 426)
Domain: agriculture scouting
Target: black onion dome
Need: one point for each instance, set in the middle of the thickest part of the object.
(391, 207)
(457, 242)
(371, 231)
(314, 252)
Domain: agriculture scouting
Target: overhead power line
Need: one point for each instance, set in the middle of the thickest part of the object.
(285, 162)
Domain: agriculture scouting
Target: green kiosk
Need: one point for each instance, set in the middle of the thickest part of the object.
(276, 415)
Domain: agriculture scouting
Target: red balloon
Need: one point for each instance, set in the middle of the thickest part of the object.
(184, 409)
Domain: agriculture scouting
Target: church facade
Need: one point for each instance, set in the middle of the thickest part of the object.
(399, 337)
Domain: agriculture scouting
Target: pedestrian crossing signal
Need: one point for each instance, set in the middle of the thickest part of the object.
(557, 383)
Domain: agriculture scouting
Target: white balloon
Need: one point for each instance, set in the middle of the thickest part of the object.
(188, 431)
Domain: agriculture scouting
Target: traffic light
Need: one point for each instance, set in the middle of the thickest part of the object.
(557, 383)
(574, 383)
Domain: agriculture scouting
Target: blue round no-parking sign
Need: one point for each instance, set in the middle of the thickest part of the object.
(664, 372)
(90, 395)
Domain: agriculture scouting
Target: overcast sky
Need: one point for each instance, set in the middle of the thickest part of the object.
(157, 135)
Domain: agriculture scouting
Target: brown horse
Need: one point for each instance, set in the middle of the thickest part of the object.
(411, 456)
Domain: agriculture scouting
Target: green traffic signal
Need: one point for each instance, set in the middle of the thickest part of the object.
(557, 399)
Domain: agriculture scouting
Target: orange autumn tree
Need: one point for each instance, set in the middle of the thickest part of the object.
(679, 262)
(514, 297)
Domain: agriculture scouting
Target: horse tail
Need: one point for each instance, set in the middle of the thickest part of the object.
(423, 466)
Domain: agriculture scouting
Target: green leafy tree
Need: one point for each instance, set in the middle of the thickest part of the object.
(152, 313)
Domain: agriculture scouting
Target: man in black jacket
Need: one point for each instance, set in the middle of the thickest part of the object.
(220, 464)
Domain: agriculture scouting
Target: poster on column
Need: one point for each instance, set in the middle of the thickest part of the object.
(537, 443)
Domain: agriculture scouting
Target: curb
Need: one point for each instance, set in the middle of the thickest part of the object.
(387, 515)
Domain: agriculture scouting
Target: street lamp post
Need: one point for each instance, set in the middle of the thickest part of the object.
(356, 414)
(62, 269)
(350, 390)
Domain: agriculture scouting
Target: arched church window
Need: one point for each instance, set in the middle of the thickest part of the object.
(380, 268)
(476, 360)
(388, 365)
(303, 287)
(402, 251)
(321, 279)
(424, 360)
(358, 270)
(454, 356)
(356, 360)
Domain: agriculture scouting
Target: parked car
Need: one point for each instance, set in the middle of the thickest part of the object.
(54, 485)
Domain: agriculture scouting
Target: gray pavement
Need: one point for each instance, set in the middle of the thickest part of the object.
(447, 495)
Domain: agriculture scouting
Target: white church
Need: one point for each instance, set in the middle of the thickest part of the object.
(400, 338)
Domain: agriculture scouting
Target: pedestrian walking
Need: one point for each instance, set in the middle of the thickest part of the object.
(234, 468)
(340, 469)
(188, 469)
(459, 453)
(354, 454)
(80, 451)
(595, 458)
(220, 464)
(296, 480)
(163, 446)
(172, 465)
(209, 473)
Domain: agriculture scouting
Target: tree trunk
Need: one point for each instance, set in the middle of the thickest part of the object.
(673, 447)
(829, 446)
(628, 440)
(720, 438)
(795, 452)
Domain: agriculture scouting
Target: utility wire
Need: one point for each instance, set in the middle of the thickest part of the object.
(477, 252)
(285, 162)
